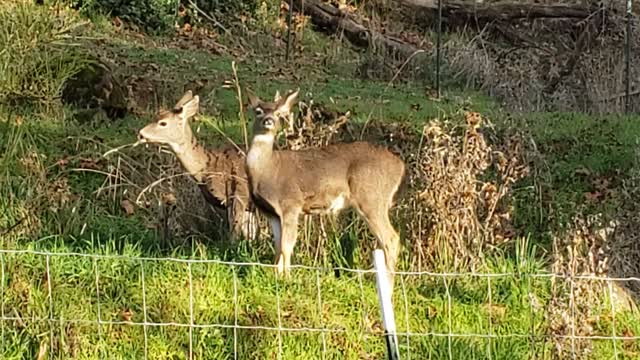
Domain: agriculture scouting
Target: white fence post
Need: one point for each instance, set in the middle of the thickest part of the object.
(386, 307)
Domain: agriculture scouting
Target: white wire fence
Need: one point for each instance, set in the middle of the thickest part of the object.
(430, 309)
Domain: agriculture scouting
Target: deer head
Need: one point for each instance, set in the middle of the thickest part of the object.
(172, 127)
(270, 116)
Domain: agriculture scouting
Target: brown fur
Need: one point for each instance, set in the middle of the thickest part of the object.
(219, 172)
(285, 184)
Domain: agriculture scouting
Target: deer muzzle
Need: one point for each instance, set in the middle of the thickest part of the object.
(141, 137)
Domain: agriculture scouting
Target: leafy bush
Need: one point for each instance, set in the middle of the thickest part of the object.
(36, 57)
(228, 7)
(153, 15)
(229, 13)
(160, 15)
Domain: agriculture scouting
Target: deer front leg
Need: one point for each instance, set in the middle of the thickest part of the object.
(288, 239)
(244, 221)
(276, 229)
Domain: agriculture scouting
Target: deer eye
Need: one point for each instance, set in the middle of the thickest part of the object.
(259, 111)
(162, 123)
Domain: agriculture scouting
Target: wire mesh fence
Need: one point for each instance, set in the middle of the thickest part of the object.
(103, 306)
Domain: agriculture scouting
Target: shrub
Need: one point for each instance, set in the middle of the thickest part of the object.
(228, 7)
(468, 185)
(151, 15)
(36, 56)
(160, 15)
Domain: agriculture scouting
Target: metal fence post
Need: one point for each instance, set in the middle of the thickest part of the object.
(386, 307)
(438, 47)
(289, 21)
(627, 59)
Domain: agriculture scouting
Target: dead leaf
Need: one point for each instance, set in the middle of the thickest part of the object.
(473, 119)
(19, 120)
(117, 22)
(169, 199)
(496, 311)
(601, 183)
(432, 312)
(593, 196)
(62, 162)
(432, 95)
(128, 207)
(628, 333)
(89, 164)
(126, 314)
(45, 280)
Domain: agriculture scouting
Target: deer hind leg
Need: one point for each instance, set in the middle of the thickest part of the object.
(377, 217)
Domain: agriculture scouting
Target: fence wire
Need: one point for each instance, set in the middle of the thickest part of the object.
(403, 302)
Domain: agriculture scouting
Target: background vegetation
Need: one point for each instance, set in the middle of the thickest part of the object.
(493, 190)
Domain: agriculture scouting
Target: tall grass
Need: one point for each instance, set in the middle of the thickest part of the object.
(37, 52)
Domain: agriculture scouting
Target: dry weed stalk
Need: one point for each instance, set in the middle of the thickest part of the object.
(468, 208)
(173, 205)
(315, 126)
(576, 304)
(624, 250)
(588, 75)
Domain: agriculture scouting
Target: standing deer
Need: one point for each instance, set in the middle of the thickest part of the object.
(285, 184)
(220, 173)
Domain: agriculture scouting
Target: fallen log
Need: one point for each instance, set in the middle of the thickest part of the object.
(332, 20)
(470, 10)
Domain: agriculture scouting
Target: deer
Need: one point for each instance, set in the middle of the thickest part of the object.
(284, 184)
(220, 173)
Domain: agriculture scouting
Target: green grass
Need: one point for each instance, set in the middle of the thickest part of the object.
(39, 217)
(347, 305)
(225, 295)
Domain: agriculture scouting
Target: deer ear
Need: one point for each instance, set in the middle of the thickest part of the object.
(286, 102)
(190, 108)
(254, 101)
(185, 98)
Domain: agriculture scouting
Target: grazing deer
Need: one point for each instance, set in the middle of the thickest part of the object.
(220, 173)
(285, 184)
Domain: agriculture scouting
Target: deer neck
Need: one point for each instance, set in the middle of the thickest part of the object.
(260, 156)
(193, 158)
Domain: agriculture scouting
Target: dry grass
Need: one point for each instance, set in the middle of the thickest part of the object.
(579, 305)
(624, 249)
(596, 246)
(151, 181)
(531, 65)
(551, 65)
